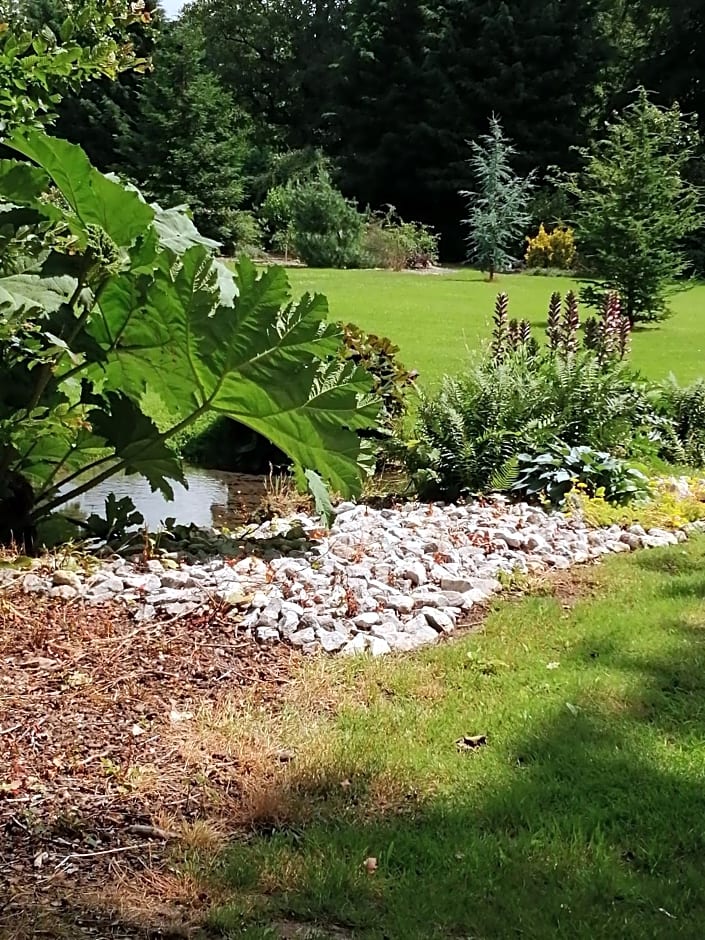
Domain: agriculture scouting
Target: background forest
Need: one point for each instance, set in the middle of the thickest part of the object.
(376, 99)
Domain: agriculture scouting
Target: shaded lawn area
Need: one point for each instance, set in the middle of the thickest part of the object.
(582, 817)
(439, 320)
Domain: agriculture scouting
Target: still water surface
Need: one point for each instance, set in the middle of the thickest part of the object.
(213, 497)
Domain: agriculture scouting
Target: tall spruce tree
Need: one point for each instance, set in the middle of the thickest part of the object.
(498, 206)
(635, 207)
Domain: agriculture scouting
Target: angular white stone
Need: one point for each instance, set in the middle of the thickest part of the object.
(332, 640)
(438, 620)
(378, 646)
(415, 572)
(65, 578)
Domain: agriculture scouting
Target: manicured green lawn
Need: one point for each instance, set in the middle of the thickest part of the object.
(582, 817)
(439, 320)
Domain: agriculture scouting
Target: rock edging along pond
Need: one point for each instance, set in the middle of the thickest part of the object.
(380, 580)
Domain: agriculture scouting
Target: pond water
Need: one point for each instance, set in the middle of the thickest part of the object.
(213, 497)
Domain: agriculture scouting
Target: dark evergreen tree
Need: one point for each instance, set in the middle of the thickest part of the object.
(386, 91)
(189, 142)
(416, 80)
(634, 207)
(275, 59)
(673, 64)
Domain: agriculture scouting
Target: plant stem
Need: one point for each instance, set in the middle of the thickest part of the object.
(111, 471)
(83, 488)
(46, 370)
(165, 435)
(77, 473)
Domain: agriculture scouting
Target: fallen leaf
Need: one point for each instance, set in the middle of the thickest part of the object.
(137, 731)
(78, 679)
(40, 858)
(471, 742)
(177, 716)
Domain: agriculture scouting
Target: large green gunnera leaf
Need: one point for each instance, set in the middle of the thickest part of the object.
(95, 199)
(263, 361)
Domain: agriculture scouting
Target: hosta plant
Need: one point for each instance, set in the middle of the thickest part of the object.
(118, 307)
(551, 475)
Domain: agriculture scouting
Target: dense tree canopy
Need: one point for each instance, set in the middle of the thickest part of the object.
(388, 91)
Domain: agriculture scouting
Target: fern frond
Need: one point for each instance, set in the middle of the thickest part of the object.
(506, 476)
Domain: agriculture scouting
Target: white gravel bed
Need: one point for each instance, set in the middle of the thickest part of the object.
(380, 580)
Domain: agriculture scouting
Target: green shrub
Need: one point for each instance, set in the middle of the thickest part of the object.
(391, 380)
(315, 221)
(551, 475)
(277, 219)
(469, 430)
(554, 249)
(389, 242)
(679, 422)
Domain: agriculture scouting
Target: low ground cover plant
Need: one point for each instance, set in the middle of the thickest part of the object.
(667, 506)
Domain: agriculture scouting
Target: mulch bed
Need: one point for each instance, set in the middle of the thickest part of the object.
(94, 713)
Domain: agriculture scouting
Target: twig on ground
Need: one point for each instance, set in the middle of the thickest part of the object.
(114, 851)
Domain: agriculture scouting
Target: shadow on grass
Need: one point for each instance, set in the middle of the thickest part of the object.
(588, 825)
(670, 563)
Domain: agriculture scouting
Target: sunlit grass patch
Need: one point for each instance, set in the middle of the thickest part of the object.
(580, 816)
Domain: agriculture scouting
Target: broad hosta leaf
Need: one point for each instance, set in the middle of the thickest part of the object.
(260, 362)
(94, 198)
(136, 441)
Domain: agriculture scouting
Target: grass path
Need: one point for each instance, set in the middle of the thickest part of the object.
(582, 817)
(438, 321)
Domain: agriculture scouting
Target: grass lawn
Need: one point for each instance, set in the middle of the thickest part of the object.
(438, 320)
(582, 817)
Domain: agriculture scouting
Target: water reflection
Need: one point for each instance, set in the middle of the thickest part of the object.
(213, 497)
